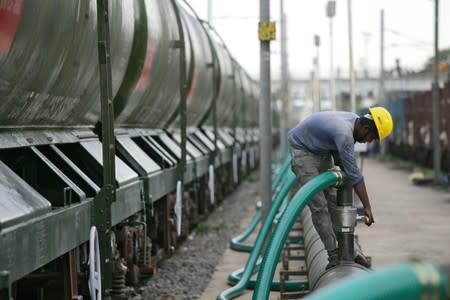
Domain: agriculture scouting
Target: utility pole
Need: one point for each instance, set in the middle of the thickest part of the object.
(381, 88)
(210, 12)
(284, 80)
(366, 37)
(266, 34)
(436, 104)
(381, 91)
(331, 11)
(350, 46)
(313, 88)
(317, 72)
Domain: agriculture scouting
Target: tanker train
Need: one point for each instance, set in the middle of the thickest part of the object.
(412, 137)
(185, 122)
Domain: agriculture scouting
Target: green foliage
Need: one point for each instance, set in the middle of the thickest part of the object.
(207, 227)
(444, 56)
(253, 177)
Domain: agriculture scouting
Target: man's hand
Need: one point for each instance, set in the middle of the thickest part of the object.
(335, 168)
(368, 213)
(360, 190)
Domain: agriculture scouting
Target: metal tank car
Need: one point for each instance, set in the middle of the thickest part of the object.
(185, 133)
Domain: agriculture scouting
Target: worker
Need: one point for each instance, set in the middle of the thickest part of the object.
(327, 136)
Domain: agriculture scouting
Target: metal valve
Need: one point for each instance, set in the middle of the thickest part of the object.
(363, 218)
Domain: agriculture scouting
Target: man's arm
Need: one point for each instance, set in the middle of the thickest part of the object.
(345, 148)
(360, 189)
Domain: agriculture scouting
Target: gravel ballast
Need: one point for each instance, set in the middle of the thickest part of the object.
(186, 274)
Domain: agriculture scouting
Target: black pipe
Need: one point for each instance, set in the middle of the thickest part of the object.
(345, 194)
(347, 217)
(346, 251)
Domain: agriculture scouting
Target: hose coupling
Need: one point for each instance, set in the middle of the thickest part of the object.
(346, 217)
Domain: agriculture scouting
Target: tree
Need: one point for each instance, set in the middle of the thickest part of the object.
(444, 61)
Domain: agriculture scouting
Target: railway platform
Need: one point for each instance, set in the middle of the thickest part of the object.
(411, 223)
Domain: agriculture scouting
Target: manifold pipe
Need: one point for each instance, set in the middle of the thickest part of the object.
(284, 226)
(317, 258)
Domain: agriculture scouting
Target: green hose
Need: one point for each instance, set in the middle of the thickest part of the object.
(284, 226)
(401, 282)
(239, 288)
(237, 243)
(280, 175)
(279, 155)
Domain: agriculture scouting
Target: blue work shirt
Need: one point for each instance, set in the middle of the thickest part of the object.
(330, 131)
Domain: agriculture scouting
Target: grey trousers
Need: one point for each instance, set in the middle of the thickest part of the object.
(305, 166)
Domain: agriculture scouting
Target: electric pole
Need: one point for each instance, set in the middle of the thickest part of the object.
(210, 12)
(331, 11)
(317, 74)
(266, 33)
(436, 104)
(350, 46)
(381, 91)
(284, 80)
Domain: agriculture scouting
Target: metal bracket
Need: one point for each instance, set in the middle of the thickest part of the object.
(179, 206)
(95, 282)
(235, 168)
(211, 186)
(5, 292)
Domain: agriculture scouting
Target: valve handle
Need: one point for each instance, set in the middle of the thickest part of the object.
(363, 218)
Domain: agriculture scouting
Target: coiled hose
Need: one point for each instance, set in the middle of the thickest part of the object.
(249, 268)
(237, 243)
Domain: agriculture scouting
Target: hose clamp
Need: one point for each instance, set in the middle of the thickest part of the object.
(339, 178)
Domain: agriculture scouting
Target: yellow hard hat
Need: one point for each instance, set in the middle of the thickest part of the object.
(383, 121)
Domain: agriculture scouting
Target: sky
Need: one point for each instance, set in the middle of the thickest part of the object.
(409, 33)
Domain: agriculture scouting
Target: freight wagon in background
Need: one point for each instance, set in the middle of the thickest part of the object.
(412, 138)
(185, 118)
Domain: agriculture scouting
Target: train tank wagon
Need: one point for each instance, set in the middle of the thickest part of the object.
(177, 94)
